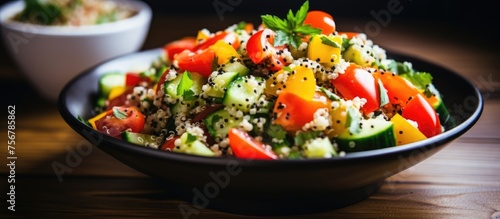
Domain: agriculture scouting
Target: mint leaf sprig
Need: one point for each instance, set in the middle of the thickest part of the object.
(292, 29)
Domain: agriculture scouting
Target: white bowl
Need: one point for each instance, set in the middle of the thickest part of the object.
(51, 55)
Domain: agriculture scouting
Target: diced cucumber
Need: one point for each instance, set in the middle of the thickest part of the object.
(171, 86)
(189, 144)
(141, 139)
(236, 66)
(444, 115)
(108, 81)
(373, 134)
(101, 101)
(194, 80)
(219, 122)
(218, 82)
(319, 148)
(359, 55)
(244, 92)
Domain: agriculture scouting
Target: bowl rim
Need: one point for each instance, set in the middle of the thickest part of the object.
(108, 141)
(142, 17)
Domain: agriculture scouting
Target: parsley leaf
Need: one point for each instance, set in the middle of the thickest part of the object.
(329, 42)
(384, 97)
(292, 29)
(84, 121)
(420, 79)
(189, 95)
(185, 84)
(215, 63)
(191, 138)
(302, 137)
(329, 94)
(119, 114)
(277, 131)
(352, 121)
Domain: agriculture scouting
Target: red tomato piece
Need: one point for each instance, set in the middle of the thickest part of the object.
(260, 49)
(172, 48)
(199, 62)
(321, 20)
(246, 147)
(228, 37)
(398, 89)
(293, 111)
(133, 79)
(421, 112)
(358, 82)
(169, 143)
(130, 119)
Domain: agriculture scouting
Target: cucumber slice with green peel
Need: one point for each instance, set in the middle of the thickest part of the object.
(141, 139)
(358, 55)
(236, 66)
(108, 81)
(191, 82)
(171, 86)
(219, 122)
(189, 144)
(444, 115)
(244, 92)
(218, 82)
(319, 148)
(373, 134)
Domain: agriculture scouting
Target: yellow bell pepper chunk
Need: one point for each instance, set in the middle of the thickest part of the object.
(224, 52)
(405, 132)
(95, 118)
(202, 35)
(325, 49)
(115, 92)
(300, 81)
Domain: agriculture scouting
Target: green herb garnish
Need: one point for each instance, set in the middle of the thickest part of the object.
(292, 29)
(190, 138)
(329, 42)
(384, 97)
(185, 84)
(329, 94)
(352, 121)
(119, 114)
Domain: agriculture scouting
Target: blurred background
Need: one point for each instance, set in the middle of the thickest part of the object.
(467, 18)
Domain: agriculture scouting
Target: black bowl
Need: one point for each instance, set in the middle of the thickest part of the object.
(278, 187)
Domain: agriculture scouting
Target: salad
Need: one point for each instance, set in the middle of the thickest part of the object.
(290, 88)
(73, 12)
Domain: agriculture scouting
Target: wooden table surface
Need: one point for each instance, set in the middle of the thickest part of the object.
(461, 181)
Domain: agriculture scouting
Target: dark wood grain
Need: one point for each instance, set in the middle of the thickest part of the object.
(461, 181)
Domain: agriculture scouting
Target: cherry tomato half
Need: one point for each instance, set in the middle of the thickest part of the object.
(420, 111)
(246, 147)
(172, 48)
(260, 49)
(321, 20)
(358, 82)
(130, 119)
(199, 62)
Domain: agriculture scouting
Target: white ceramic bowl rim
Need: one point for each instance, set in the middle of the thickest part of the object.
(8, 10)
